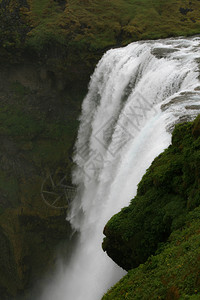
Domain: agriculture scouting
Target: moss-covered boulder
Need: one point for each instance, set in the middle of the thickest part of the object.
(172, 274)
(168, 191)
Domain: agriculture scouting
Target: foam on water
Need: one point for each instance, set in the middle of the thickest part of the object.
(136, 95)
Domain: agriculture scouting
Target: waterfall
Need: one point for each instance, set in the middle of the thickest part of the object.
(136, 96)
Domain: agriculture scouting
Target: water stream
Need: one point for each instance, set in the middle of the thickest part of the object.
(135, 97)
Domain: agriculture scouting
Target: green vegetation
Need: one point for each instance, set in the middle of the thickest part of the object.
(163, 219)
(78, 32)
(171, 274)
(48, 50)
(35, 142)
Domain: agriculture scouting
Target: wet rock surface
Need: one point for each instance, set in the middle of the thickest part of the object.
(162, 52)
(37, 131)
(183, 98)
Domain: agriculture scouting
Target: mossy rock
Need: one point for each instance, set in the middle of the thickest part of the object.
(167, 192)
(172, 273)
(196, 128)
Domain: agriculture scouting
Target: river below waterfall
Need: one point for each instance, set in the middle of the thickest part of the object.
(135, 97)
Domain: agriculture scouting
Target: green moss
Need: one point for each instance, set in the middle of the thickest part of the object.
(19, 90)
(85, 28)
(9, 190)
(173, 273)
(14, 122)
(34, 144)
(68, 39)
(196, 127)
(166, 195)
(167, 192)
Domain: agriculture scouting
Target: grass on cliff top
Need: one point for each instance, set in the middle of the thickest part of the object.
(99, 24)
(86, 26)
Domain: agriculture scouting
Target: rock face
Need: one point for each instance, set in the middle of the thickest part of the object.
(172, 273)
(169, 190)
(29, 240)
(37, 128)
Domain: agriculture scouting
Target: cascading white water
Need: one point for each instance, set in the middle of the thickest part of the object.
(136, 95)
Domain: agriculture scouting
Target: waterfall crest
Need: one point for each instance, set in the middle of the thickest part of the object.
(136, 96)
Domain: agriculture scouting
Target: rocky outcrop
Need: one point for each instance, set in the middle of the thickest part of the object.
(156, 238)
(168, 191)
(38, 125)
(172, 273)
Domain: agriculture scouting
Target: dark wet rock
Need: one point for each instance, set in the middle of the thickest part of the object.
(179, 120)
(193, 107)
(198, 63)
(37, 132)
(163, 52)
(184, 96)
